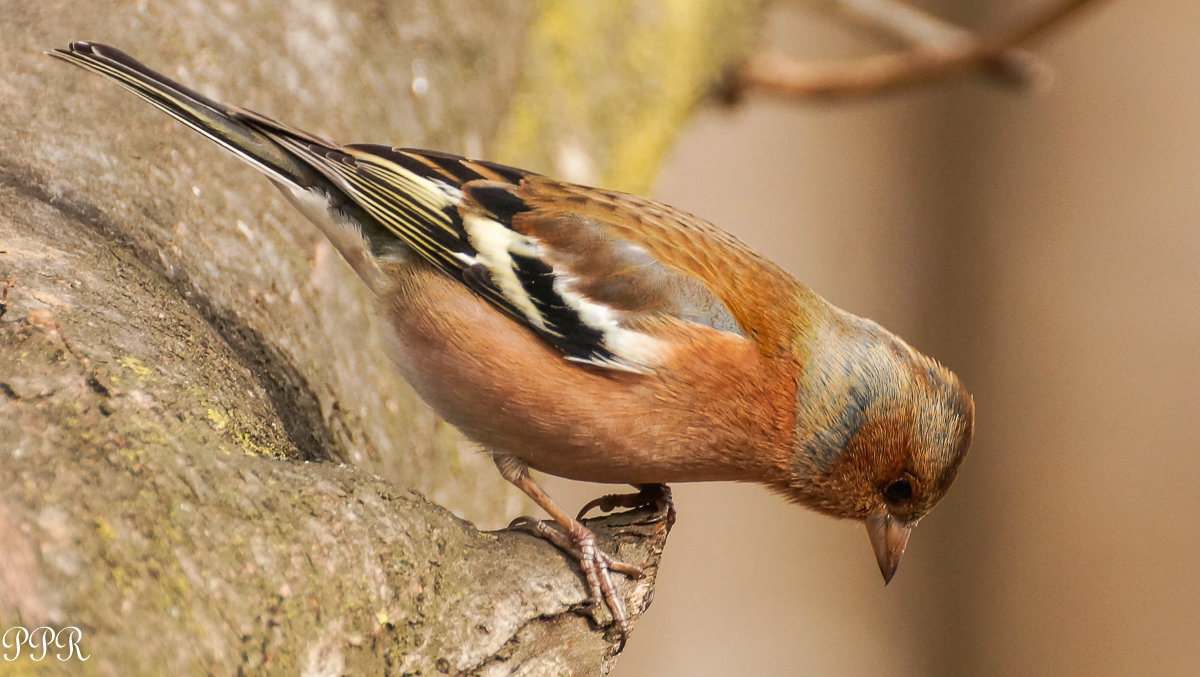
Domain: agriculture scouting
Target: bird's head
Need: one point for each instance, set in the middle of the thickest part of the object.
(881, 431)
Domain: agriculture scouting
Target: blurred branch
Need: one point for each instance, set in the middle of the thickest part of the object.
(940, 50)
(915, 27)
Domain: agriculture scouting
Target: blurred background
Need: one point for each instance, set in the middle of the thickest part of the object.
(1047, 248)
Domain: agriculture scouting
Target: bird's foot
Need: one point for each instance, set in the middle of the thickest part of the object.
(657, 496)
(596, 564)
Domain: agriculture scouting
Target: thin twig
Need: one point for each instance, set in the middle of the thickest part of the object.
(915, 27)
(784, 76)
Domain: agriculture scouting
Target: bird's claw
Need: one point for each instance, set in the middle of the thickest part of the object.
(596, 564)
(657, 496)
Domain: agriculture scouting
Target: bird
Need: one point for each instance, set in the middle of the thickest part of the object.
(606, 337)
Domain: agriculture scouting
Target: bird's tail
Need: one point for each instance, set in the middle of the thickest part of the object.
(234, 129)
(271, 147)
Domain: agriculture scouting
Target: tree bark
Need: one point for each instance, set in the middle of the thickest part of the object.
(207, 464)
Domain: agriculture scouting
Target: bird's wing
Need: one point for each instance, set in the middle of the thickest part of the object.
(545, 252)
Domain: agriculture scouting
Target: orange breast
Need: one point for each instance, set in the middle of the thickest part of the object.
(716, 410)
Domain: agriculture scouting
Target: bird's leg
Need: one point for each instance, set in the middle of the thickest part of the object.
(570, 535)
(656, 495)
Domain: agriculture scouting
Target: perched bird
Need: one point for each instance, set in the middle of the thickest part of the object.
(606, 337)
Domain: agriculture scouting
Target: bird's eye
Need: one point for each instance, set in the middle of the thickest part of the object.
(898, 491)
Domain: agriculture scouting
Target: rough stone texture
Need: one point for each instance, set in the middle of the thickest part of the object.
(206, 461)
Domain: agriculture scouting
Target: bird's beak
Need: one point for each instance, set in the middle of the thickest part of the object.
(889, 537)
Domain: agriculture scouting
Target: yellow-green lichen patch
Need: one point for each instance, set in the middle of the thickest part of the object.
(252, 448)
(247, 432)
(136, 366)
(105, 530)
(217, 417)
